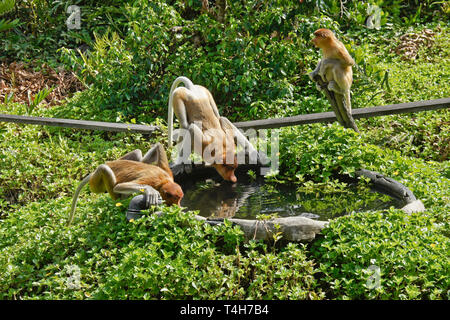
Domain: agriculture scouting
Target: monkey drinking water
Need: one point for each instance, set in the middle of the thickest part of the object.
(213, 135)
(134, 173)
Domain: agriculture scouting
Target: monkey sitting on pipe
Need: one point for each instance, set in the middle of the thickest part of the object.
(334, 75)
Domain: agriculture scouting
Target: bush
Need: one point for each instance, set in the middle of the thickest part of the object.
(255, 65)
(411, 252)
(168, 257)
(319, 153)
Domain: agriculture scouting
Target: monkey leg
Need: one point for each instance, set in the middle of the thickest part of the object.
(103, 179)
(330, 69)
(135, 155)
(337, 92)
(333, 86)
(152, 197)
(151, 156)
(156, 154)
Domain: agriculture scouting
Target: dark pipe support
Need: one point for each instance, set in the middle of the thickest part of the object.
(388, 186)
(137, 204)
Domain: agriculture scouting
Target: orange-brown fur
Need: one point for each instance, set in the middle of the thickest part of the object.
(200, 111)
(341, 72)
(332, 48)
(131, 174)
(143, 173)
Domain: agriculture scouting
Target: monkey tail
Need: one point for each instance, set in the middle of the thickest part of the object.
(348, 102)
(188, 84)
(75, 198)
(348, 109)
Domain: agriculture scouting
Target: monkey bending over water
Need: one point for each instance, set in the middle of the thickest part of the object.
(197, 112)
(133, 173)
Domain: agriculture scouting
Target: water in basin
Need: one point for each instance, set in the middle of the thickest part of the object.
(249, 198)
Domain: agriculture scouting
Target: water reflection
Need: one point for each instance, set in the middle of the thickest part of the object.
(251, 197)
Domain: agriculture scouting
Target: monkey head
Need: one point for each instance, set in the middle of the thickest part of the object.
(226, 171)
(322, 37)
(171, 193)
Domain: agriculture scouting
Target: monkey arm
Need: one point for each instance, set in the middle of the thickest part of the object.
(345, 58)
(193, 139)
(179, 107)
(254, 156)
(313, 75)
(213, 104)
(152, 196)
(157, 155)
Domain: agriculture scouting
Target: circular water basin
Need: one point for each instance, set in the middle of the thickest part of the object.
(252, 197)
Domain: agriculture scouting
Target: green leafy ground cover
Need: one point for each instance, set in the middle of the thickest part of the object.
(255, 66)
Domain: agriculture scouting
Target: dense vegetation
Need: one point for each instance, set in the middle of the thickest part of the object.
(125, 57)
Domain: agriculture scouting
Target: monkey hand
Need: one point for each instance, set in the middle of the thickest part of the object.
(313, 74)
(319, 87)
(152, 197)
(181, 168)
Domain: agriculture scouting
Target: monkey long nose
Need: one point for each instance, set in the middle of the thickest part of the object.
(233, 179)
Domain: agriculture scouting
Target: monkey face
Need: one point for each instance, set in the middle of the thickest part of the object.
(171, 193)
(226, 171)
(322, 36)
(317, 41)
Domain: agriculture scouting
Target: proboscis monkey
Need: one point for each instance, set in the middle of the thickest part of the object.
(335, 68)
(134, 173)
(197, 112)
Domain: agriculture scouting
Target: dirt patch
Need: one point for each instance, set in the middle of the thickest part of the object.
(410, 43)
(19, 82)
